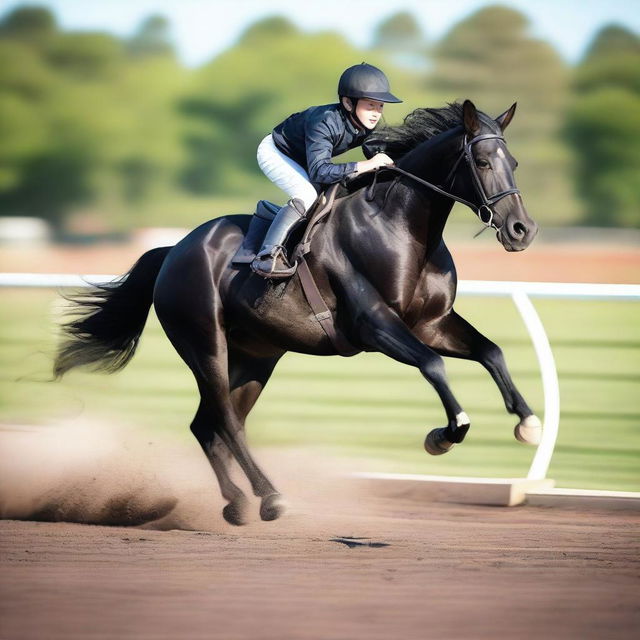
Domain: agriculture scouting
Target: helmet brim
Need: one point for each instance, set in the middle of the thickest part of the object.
(380, 97)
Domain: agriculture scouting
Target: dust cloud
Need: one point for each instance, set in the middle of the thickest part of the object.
(102, 474)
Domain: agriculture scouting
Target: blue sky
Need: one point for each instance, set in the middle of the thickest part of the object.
(203, 28)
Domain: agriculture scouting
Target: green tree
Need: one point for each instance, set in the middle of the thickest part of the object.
(399, 32)
(85, 56)
(401, 40)
(603, 127)
(25, 83)
(613, 40)
(38, 174)
(32, 25)
(152, 38)
(87, 120)
(492, 59)
(267, 30)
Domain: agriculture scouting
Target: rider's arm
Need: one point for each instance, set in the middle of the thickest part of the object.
(321, 138)
(320, 141)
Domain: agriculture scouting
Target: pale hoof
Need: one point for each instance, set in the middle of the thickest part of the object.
(236, 512)
(436, 444)
(273, 507)
(529, 431)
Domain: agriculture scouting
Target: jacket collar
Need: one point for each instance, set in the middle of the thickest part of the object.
(348, 123)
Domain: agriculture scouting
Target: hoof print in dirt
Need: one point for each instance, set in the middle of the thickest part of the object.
(359, 542)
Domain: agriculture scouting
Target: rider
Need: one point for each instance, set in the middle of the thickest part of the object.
(296, 155)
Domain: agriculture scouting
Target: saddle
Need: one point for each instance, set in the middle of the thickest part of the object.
(263, 217)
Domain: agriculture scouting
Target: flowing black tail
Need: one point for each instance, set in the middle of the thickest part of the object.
(112, 317)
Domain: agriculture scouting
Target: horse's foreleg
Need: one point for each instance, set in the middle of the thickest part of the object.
(381, 329)
(453, 336)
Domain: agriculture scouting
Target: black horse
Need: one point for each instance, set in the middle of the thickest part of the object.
(379, 262)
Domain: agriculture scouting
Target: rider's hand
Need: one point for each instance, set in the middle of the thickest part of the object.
(377, 161)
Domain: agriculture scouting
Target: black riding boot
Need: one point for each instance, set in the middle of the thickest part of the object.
(271, 261)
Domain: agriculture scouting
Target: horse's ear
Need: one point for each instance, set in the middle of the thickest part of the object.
(470, 118)
(504, 119)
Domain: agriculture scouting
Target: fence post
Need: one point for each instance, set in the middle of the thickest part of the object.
(551, 388)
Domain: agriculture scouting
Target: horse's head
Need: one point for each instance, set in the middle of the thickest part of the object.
(487, 180)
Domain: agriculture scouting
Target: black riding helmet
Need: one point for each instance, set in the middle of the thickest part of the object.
(365, 81)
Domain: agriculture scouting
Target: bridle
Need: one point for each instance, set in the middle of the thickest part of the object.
(484, 211)
(487, 201)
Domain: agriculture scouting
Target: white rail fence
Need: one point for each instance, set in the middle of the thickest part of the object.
(521, 294)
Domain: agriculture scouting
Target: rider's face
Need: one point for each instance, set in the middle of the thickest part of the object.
(368, 111)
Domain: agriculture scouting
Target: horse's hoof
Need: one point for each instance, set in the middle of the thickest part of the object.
(272, 507)
(529, 431)
(235, 512)
(436, 444)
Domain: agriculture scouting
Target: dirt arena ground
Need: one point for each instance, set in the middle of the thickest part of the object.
(341, 565)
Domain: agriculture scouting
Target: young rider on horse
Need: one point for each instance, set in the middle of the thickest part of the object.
(296, 156)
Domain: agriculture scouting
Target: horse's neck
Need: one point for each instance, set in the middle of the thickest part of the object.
(420, 209)
(433, 159)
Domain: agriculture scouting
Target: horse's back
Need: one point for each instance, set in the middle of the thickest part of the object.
(215, 240)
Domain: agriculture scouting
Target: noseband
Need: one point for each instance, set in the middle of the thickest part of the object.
(484, 211)
(487, 201)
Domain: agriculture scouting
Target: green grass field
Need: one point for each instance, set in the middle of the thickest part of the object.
(369, 405)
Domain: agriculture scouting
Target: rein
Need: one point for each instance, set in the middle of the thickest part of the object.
(466, 153)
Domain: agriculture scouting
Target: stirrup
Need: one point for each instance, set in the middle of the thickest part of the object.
(266, 261)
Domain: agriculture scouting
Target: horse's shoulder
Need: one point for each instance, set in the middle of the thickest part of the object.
(441, 260)
(438, 270)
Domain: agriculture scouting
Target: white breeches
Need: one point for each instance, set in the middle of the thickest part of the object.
(285, 172)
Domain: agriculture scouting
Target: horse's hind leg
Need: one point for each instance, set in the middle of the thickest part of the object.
(221, 421)
(248, 376)
(453, 336)
(220, 431)
(195, 327)
(202, 427)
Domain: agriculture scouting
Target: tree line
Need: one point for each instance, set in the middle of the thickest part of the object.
(93, 124)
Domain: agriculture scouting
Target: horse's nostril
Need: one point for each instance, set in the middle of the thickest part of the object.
(519, 229)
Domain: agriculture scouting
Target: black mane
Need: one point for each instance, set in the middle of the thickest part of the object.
(421, 125)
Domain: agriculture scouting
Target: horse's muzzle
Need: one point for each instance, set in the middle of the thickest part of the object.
(517, 232)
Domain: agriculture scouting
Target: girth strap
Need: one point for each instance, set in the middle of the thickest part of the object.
(321, 311)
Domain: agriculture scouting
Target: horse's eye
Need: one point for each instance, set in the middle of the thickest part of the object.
(482, 164)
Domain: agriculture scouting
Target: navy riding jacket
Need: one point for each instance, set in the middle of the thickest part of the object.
(312, 137)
